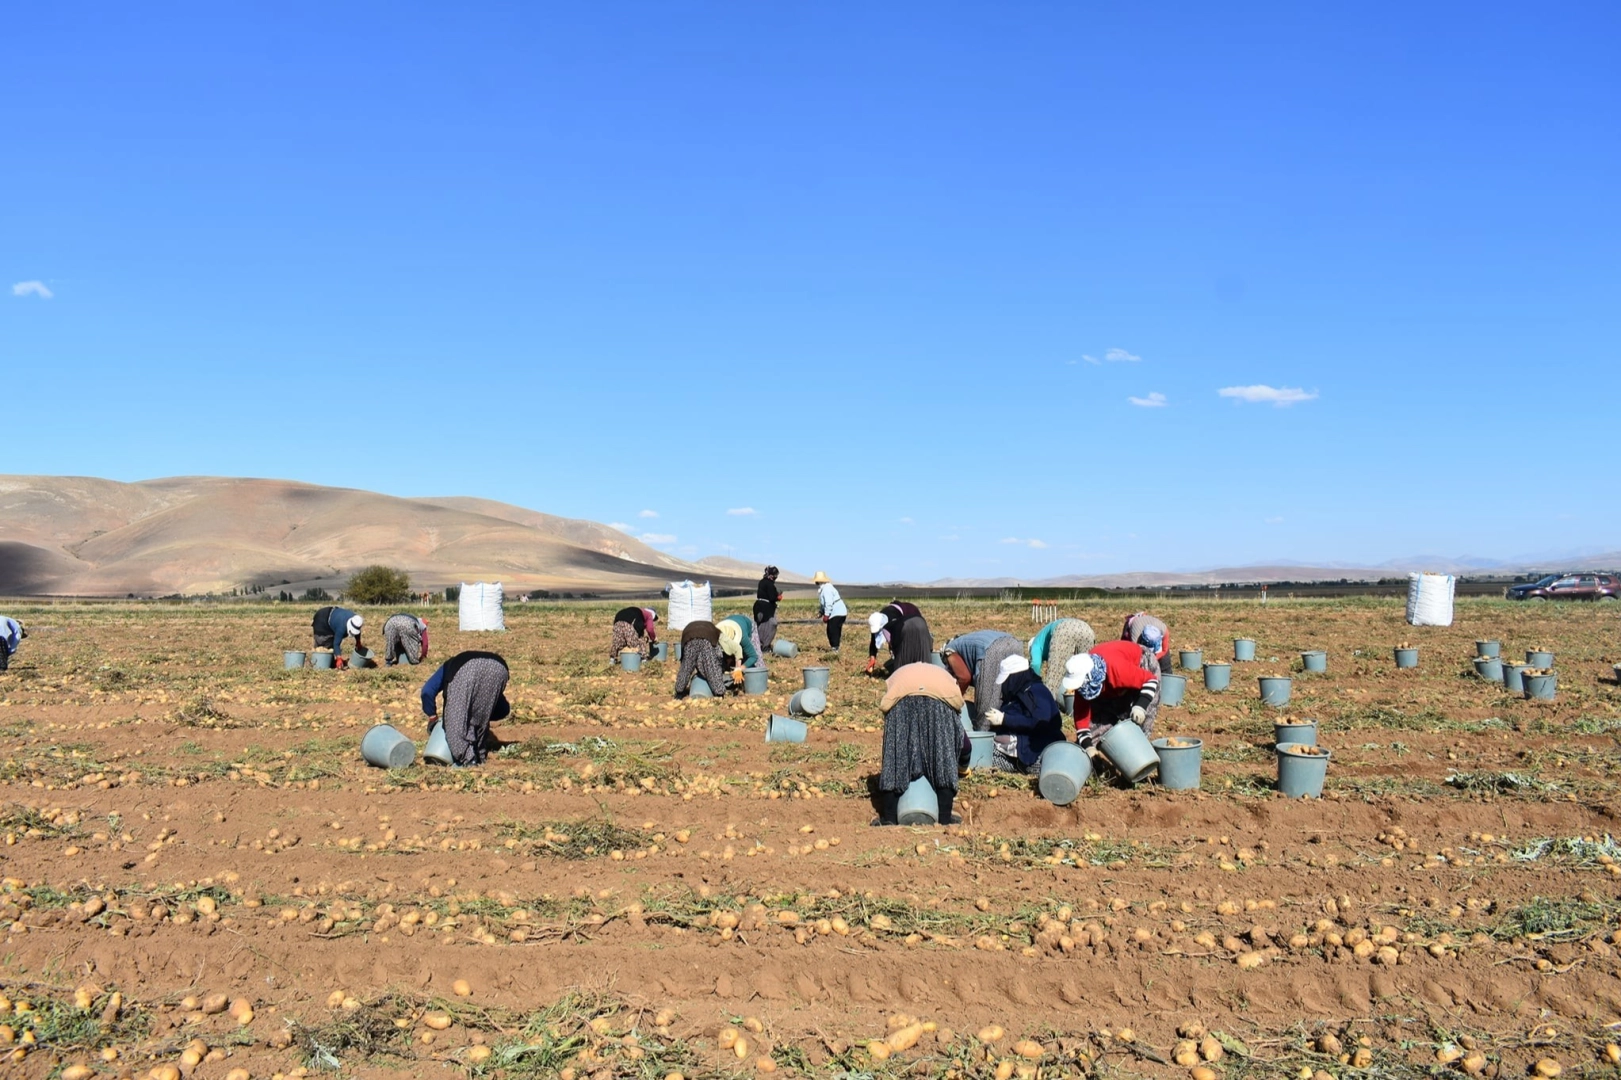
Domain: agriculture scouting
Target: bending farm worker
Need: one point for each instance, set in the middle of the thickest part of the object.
(922, 737)
(900, 626)
(1116, 681)
(1028, 720)
(11, 636)
(742, 644)
(766, 599)
(405, 639)
(332, 625)
(700, 657)
(975, 659)
(1145, 629)
(473, 685)
(1052, 647)
(634, 628)
(831, 605)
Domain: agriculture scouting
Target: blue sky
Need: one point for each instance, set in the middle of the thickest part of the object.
(932, 289)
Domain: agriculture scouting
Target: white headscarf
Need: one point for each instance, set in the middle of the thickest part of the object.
(876, 622)
(1011, 664)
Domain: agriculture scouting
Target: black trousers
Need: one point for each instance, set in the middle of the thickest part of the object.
(835, 631)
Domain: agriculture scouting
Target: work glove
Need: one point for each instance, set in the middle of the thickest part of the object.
(872, 662)
(993, 717)
(737, 675)
(1138, 715)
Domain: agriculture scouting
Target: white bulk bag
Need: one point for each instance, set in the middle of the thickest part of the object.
(1429, 599)
(480, 606)
(689, 603)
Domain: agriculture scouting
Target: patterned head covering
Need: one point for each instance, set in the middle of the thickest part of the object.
(355, 624)
(1152, 638)
(1084, 674)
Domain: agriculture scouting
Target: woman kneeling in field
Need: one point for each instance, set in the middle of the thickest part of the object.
(473, 685)
(1027, 720)
(634, 628)
(405, 639)
(700, 656)
(922, 737)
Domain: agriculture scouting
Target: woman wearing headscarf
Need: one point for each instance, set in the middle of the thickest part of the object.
(700, 657)
(974, 659)
(11, 636)
(1116, 681)
(902, 627)
(405, 638)
(332, 625)
(921, 738)
(740, 642)
(1052, 647)
(473, 685)
(832, 607)
(634, 628)
(766, 598)
(1145, 629)
(1028, 720)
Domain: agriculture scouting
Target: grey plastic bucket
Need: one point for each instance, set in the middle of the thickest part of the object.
(1275, 690)
(661, 651)
(1191, 659)
(1407, 658)
(1511, 677)
(438, 748)
(919, 805)
(1129, 751)
(1540, 687)
(966, 720)
(1179, 765)
(1217, 676)
(387, 748)
(755, 680)
(699, 687)
(1243, 649)
(1062, 772)
(981, 750)
(322, 660)
(784, 647)
(1489, 668)
(1314, 660)
(677, 648)
(362, 658)
(816, 678)
(1488, 648)
(1172, 689)
(1304, 734)
(1301, 774)
(292, 659)
(1538, 658)
(810, 702)
(937, 660)
(630, 659)
(1067, 706)
(784, 729)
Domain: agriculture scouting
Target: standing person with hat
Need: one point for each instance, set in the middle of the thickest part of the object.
(1116, 681)
(331, 625)
(901, 626)
(1145, 629)
(975, 659)
(766, 599)
(1028, 719)
(832, 607)
(11, 636)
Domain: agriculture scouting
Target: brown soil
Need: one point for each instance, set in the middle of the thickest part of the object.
(181, 818)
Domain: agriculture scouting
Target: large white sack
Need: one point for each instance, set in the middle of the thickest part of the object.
(480, 606)
(1429, 599)
(690, 603)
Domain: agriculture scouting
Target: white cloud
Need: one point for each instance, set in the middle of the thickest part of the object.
(620, 525)
(1010, 540)
(952, 536)
(1113, 356)
(1037, 543)
(1281, 396)
(906, 521)
(657, 538)
(687, 549)
(647, 514)
(1274, 521)
(742, 511)
(32, 288)
(1154, 400)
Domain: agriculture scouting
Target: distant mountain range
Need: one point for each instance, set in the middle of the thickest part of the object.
(80, 536)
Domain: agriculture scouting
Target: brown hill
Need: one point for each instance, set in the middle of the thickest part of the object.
(82, 536)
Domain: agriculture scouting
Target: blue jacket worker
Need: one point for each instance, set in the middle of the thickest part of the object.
(11, 636)
(1028, 720)
(474, 685)
(332, 625)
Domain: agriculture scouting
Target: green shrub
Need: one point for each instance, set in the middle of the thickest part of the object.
(379, 585)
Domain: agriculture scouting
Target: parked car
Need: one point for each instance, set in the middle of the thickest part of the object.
(1570, 587)
(1520, 591)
